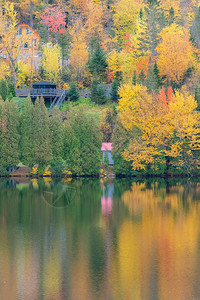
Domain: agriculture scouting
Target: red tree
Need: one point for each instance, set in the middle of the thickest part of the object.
(163, 97)
(54, 18)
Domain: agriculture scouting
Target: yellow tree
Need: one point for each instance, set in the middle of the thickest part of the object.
(139, 113)
(125, 61)
(10, 43)
(51, 62)
(124, 20)
(95, 16)
(175, 52)
(185, 120)
(28, 8)
(173, 6)
(113, 61)
(161, 132)
(25, 74)
(78, 51)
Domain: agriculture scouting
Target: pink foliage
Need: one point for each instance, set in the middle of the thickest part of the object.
(54, 18)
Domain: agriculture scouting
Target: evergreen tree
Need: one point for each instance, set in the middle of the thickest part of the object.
(154, 23)
(120, 140)
(154, 82)
(9, 135)
(11, 90)
(26, 130)
(73, 93)
(94, 89)
(195, 29)
(56, 126)
(142, 77)
(82, 143)
(69, 138)
(97, 91)
(171, 15)
(97, 62)
(141, 14)
(134, 81)
(41, 133)
(114, 90)
(197, 98)
(3, 89)
(1, 127)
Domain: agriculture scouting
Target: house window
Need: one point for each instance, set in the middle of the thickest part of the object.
(34, 42)
(25, 46)
(27, 30)
(20, 30)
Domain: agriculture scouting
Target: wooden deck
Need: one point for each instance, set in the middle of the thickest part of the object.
(38, 92)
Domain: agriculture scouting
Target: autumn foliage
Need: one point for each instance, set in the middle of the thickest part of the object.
(160, 135)
(141, 57)
(54, 19)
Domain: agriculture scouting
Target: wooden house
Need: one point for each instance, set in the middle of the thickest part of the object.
(29, 52)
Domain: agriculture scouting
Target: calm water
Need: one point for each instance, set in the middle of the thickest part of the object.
(91, 240)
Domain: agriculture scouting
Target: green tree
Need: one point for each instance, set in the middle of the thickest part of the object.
(142, 77)
(120, 140)
(97, 62)
(73, 93)
(134, 81)
(56, 127)
(11, 90)
(82, 143)
(154, 82)
(171, 15)
(9, 135)
(26, 132)
(98, 94)
(3, 89)
(114, 90)
(195, 28)
(41, 134)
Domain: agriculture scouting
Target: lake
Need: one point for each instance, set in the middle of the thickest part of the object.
(90, 239)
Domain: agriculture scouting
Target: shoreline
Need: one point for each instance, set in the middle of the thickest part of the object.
(140, 176)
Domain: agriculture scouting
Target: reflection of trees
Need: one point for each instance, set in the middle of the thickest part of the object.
(147, 248)
(49, 236)
(165, 238)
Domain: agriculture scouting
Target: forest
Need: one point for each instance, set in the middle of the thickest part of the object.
(147, 51)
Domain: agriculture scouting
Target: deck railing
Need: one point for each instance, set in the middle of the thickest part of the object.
(38, 92)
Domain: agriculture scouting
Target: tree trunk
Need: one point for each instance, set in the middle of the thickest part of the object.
(14, 78)
(31, 13)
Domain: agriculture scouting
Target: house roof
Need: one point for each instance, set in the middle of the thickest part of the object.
(27, 24)
(106, 147)
(44, 83)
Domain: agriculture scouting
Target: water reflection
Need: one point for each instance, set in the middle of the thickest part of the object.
(107, 198)
(111, 240)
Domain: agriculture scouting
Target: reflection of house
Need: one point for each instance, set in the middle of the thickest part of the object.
(107, 147)
(29, 51)
(107, 200)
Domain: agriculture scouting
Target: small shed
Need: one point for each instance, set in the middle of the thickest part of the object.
(107, 147)
(44, 85)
